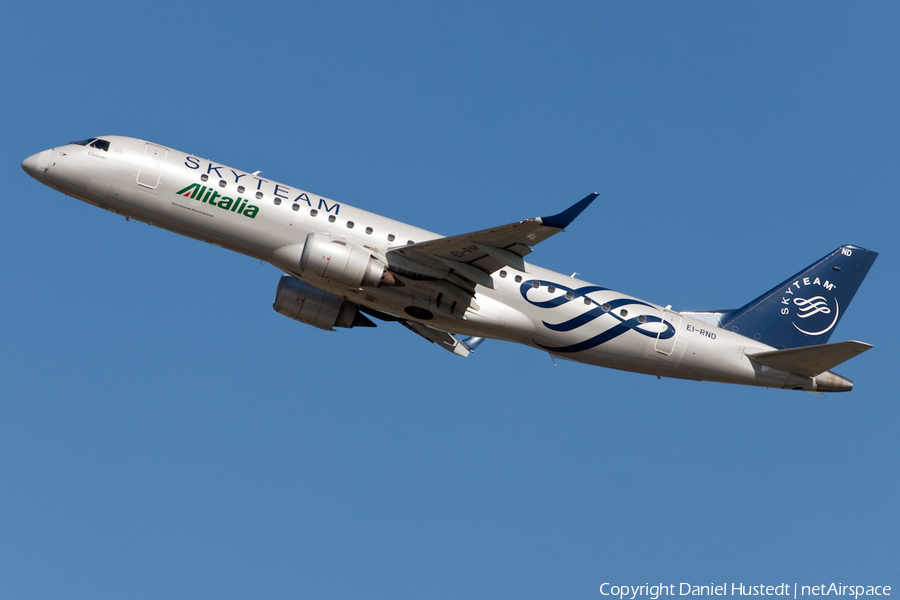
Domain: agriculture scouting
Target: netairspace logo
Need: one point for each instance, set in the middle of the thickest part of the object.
(654, 592)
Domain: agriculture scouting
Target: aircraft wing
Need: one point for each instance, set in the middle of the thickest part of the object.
(441, 338)
(470, 258)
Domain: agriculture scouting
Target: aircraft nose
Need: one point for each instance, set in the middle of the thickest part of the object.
(31, 165)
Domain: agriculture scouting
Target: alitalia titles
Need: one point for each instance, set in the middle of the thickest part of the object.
(279, 191)
(195, 191)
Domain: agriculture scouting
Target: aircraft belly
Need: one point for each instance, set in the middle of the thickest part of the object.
(698, 353)
(499, 321)
(636, 354)
(491, 318)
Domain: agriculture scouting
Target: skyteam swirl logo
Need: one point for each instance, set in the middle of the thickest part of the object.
(646, 325)
(814, 314)
(810, 307)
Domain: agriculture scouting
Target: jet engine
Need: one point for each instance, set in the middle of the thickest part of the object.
(336, 261)
(307, 304)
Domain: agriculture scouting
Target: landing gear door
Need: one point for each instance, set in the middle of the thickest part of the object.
(151, 166)
(665, 343)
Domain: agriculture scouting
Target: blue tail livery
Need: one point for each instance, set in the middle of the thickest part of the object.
(803, 310)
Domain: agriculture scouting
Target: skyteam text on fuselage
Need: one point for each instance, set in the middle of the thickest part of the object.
(343, 265)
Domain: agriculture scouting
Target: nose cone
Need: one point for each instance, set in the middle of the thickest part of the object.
(35, 165)
(30, 164)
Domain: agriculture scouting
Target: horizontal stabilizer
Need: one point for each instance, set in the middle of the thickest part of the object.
(810, 360)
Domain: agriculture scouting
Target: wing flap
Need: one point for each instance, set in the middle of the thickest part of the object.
(441, 338)
(810, 360)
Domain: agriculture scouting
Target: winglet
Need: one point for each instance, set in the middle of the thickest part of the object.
(562, 220)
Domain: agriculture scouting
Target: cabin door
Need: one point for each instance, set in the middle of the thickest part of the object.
(667, 345)
(151, 167)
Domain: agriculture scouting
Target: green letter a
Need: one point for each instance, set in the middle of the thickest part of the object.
(193, 187)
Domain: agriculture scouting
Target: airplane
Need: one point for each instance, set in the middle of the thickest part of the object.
(344, 266)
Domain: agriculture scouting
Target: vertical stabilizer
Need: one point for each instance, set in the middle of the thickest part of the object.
(805, 309)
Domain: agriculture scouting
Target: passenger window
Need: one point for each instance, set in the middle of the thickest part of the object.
(241, 189)
(204, 177)
(277, 201)
(408, 242)
(551, 289)
(587, 300)
(390, 237)
(349, 224)
(221, 183)
(258, 194)
(623, 312)
(569, 295)
(642, 319)
(502, 273)
(313, 212)
(605, 307)
(535, 284)
(369, 230)
(518, 279)
(296, 207)
(331, 218)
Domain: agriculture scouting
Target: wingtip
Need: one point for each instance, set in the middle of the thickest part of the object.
(563, 219)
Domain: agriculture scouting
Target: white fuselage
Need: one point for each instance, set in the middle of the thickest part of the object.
(270, 221)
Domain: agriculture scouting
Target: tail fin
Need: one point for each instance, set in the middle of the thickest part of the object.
(805, 309)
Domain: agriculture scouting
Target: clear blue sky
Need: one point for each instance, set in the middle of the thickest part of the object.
(166, 434)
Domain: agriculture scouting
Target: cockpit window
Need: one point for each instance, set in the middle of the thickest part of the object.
(94, 143)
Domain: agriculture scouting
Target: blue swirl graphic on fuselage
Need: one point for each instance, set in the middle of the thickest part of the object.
(624, 325)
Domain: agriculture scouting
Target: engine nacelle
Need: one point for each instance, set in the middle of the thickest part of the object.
(342, 263)
(307, 304)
